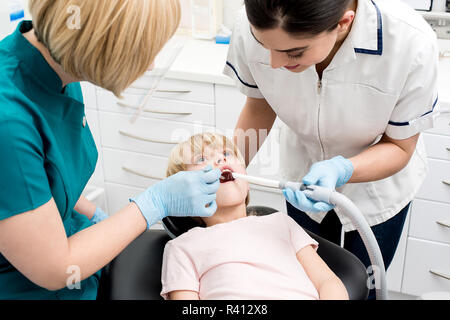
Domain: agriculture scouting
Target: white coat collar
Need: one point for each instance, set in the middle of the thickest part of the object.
(367, 31)
(366, 36)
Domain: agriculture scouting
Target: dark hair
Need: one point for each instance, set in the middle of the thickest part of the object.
(310, 17)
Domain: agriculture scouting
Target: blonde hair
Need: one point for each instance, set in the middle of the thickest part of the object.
(115, 42)
(183, 153)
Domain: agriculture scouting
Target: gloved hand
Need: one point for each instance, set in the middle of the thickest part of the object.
(330, 174)
(99, 216)
(190, 193)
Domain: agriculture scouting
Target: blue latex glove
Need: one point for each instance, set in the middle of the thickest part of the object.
(99, 216)
(190, 193)
(330, 174)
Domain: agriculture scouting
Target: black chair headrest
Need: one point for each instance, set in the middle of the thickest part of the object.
(176, 226)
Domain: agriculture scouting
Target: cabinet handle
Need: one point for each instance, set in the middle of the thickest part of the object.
(168, 112)
(448, 148)
(126, 105)
(440, 274)
(174, 91)
(161, 90)
(447, 182)
(444, 223)
(139, 173)
(93, 196)
(136, 137)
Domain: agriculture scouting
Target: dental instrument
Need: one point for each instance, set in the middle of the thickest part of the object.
(320, 194)
(258, 181)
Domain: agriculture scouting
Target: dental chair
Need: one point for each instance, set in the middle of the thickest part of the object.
(136, 273)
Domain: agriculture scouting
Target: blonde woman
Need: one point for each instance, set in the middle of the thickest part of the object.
(49, 234)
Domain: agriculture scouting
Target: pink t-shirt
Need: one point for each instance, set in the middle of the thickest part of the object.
(252, 258)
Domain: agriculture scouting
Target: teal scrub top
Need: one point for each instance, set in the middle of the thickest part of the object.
(45, 153)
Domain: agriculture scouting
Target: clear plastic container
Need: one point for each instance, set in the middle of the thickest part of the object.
(16, 12)
(207, 17)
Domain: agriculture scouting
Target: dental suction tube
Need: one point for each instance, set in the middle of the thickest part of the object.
(355, 215)
(357, 218)
(258, 181)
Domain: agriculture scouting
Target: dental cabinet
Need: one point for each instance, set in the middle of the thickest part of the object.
(196, 97)
(426, 265)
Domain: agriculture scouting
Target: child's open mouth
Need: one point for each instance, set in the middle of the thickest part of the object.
(227, 176)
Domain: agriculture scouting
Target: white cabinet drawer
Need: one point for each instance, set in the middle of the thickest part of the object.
(92, 120)
(118, 197)
(202, 114)
(430, 221)
(229, 105)
(97, 178)
(436, 186)
(133, 169)
(263, 197)
(150, 136)
(438, 147)
(175, 89)
(89, 95)
(427, 265)
(394, 274)
(442, 126)
(97, 196)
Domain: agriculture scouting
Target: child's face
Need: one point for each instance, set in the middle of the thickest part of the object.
(231, 193)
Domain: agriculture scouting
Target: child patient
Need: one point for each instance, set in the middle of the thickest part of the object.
(232, 256)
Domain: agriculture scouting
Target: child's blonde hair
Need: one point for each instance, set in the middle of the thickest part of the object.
(110, 43)
(184, 152)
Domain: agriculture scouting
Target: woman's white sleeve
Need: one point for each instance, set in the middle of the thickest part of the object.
(418, 103)
(237, 67)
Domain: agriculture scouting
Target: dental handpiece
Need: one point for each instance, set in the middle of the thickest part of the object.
(271, 183)
(312, 192)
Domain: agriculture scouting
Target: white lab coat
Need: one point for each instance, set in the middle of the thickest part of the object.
(382, 80)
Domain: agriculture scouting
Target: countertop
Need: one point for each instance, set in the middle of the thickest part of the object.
(204, 61)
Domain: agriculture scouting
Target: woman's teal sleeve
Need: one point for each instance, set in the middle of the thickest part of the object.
(24, 184)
